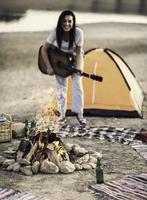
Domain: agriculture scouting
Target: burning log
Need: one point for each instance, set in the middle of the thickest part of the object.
(42, 146)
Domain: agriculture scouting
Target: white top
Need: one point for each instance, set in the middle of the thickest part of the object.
(79, 40)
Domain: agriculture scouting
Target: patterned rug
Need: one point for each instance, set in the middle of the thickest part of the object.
(11, 194)
(111, 134)
(129, 188)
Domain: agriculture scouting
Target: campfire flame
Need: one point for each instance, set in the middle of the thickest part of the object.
(48, 117)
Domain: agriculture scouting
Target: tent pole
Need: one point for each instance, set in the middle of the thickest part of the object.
(93, 93)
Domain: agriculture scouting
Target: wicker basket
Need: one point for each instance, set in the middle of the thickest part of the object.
(6, 128)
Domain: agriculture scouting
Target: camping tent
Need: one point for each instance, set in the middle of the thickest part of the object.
(119, 94)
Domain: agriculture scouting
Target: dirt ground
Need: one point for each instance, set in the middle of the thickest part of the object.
(23, 87)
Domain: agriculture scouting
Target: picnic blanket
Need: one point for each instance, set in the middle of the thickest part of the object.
(129, 188)
(11, 194)
(112, 134)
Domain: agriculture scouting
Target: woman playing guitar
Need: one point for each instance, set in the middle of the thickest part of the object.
(69, 38)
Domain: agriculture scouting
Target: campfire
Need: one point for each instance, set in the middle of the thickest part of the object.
(44, 151)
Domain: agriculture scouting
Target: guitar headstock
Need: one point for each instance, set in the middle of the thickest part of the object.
(96, 77)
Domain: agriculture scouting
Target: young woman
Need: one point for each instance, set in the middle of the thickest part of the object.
(68, 38)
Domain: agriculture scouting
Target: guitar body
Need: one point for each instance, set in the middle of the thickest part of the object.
(62, 64)
(60, 61)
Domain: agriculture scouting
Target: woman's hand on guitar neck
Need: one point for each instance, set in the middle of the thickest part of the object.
(50, 71)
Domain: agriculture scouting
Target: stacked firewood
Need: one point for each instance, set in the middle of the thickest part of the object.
(45, 152)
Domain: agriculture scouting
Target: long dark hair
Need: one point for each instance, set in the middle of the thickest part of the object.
(59, 30)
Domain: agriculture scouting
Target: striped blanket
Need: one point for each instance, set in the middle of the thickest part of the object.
(11, 194)
(129, 188)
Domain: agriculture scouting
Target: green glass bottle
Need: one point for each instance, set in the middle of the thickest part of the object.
(99, 172)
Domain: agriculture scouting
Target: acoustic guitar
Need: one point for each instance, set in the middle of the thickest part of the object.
(62, 64)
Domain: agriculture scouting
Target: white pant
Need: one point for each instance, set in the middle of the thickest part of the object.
(77, 90)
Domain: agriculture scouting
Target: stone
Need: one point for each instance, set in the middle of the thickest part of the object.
(78, 167)
(84, 159)
(48, 167)
(26, 170)
(93, 165)
(8, 162)
(92, 159)
(10, 168)
(80, 151)
(9, 151)
(97, 155)
(35, 167)
(76, 148)
(69, 147)
(14, 167)
(67, 167)
(86, 166)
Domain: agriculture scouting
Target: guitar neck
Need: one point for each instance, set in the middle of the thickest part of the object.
(91, 76)
(85, 74)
